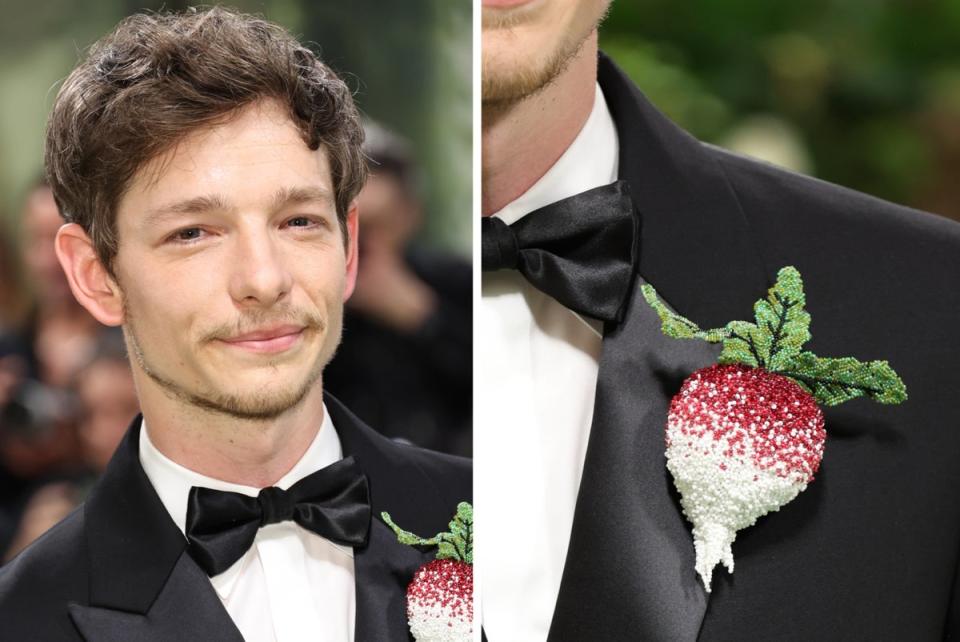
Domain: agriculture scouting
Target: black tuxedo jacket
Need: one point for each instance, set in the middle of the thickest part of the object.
(870, 550)
(116, 569)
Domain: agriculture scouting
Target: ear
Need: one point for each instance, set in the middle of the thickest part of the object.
(89, 280)
(353, 254)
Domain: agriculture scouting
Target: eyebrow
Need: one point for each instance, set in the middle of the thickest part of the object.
(196, 205)
(283, 197)
(286, 196)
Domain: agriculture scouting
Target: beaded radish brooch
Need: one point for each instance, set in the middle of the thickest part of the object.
(745, 436)
(440, 596)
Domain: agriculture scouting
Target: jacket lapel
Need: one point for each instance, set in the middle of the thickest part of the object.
(629, 569)
(143, 586)
(384, 567)
(187, 608)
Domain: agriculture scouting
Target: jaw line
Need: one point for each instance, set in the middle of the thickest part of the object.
(222, 404)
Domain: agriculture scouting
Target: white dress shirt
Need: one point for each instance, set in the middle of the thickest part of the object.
(537, 372)
(292, 585)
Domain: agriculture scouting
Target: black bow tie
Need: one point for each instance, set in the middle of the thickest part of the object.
(333, 502)
(581, 251)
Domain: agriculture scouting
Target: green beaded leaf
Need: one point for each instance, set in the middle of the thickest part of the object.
(784, 324)
(677, 326)
(833, 381)
(781, 329)
(775, 343)
(456, 544)
(461, 531)
(741, 344)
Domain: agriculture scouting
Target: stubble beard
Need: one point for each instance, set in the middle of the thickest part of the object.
(503, 88)
(248, 407)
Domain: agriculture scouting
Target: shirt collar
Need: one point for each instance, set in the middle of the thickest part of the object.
(590, 161)
(173, 481)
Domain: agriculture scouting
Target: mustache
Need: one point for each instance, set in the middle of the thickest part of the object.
(253, 320)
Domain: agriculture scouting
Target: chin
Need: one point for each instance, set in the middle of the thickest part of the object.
(255, 402)
(508, 81)
(508, 52)
(249, 393)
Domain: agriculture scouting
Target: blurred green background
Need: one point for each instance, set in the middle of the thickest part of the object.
(409, 63)
(865, 93)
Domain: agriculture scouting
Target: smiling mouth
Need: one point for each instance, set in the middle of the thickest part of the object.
(504, 4)
(269, 341)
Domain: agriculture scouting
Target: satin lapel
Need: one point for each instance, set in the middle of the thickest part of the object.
(383, 570)
(384, 567)
(629, 568)
(187, 608)
(142, 584)
(696, 245)
(629, 572)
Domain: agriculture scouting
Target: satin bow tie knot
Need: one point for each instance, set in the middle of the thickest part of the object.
(276, 506)
(500, 249)
(333, 502)
(582, 250)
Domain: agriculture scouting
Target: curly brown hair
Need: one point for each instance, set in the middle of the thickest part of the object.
(160, 76)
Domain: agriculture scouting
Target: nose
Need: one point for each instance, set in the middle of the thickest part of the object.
(259, 275)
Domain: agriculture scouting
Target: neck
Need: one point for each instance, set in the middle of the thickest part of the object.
(523, 140)
(253, 453)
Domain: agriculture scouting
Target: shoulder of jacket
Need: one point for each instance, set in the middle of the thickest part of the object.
(37, 585)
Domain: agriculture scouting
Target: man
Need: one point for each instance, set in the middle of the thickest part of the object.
(870, 550)
(208, 164)
(404, 365)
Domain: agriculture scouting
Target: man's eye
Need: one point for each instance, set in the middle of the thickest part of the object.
(300, 221)
(187, 234)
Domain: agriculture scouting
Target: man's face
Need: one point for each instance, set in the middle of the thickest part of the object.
(233, 266)
(527, 43)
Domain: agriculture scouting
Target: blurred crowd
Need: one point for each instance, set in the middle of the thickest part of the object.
(405, 362)
(67, 395)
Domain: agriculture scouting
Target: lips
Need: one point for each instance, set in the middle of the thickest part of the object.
(267, 340)
(503, 4)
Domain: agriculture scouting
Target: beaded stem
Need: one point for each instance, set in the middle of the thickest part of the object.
(455, 544)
